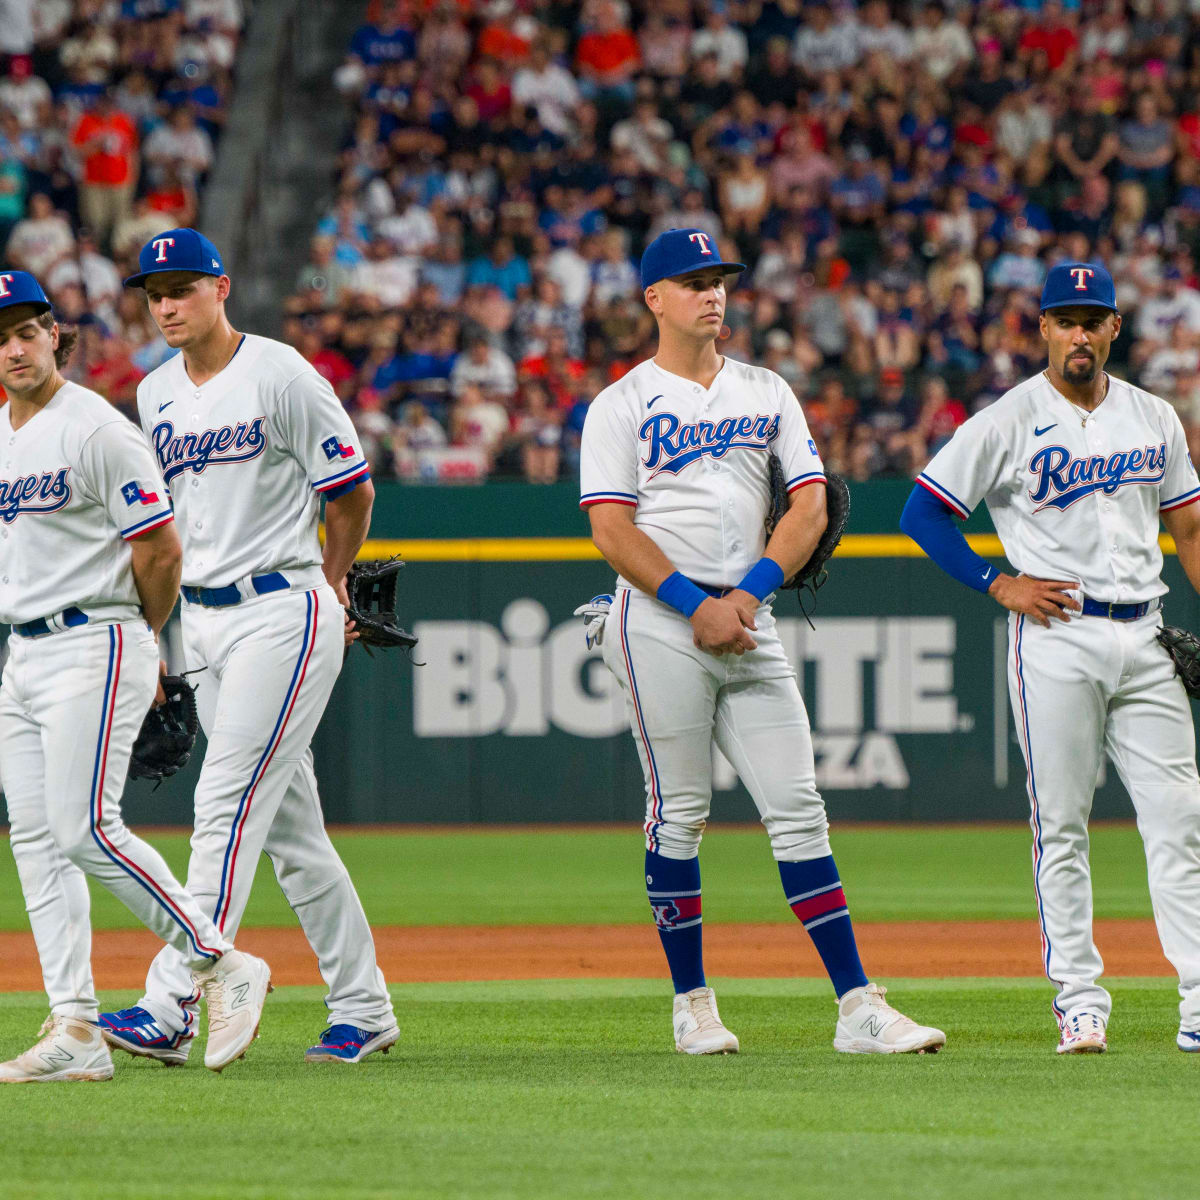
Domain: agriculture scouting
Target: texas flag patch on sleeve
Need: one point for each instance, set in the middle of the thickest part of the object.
(335, 450)
(134, 493)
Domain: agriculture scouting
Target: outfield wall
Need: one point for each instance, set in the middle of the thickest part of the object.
(512, 719)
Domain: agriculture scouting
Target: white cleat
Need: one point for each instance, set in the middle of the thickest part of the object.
(235, 989)
(868, 1024)
(1188, 1040)
(698, 1028)
(68, 1050)
(1083, 1032)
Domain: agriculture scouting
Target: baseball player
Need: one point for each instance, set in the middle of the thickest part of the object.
(249, 439)
(675, 482)
(89, 572)
(1076, 468)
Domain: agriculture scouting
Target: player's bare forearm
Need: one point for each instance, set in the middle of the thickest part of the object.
(1183, 524)
(347, 522)
(799, 529)
(630, 552)
(157, 566)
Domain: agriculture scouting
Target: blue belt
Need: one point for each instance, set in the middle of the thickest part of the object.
(70, 617)
(224, 597)
(1118, 612)
(711, 590)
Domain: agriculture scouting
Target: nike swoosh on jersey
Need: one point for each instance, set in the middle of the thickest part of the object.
(166, 405)
(650, 402)
(1038, 432)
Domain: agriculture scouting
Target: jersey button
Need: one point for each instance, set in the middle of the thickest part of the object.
(195, 483)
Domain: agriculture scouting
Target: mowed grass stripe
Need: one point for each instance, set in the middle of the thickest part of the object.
(476, 877)
(550, 1090)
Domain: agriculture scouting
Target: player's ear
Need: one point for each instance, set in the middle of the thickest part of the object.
(653, 300)
(1116, 326)
(224, 286)
(1043, 325)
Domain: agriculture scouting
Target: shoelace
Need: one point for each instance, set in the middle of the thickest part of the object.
(873, 997)
(217, 1015)
(702, 1009)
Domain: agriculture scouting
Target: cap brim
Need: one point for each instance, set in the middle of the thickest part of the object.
(38, 306)
(727, 268)
(1080, 304)
(137, 281)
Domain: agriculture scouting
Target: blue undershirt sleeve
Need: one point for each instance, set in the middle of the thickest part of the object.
(930, 523)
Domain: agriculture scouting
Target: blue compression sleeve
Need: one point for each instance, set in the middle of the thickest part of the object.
(930, 524)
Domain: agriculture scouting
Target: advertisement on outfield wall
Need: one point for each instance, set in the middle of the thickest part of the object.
(510, 717)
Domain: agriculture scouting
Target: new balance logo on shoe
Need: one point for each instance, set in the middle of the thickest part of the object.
(875, 1026)
(241, 994)
(56, 1056)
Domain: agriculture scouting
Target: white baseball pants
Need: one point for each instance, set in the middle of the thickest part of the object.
(680, 699)
(271, 666)
(1079, 690)
(71, 705)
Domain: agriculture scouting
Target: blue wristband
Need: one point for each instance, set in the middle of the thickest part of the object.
(762, 579)
(681, 594)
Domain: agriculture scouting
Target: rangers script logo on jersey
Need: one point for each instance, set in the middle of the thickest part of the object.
(1063, 479)
(44, 493)
(196, 452)
(673, 445)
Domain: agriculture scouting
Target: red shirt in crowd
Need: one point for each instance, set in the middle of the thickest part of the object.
(607, 53)
(1057, 43)
(110, 161)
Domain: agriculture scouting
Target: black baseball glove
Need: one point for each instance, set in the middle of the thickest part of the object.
(1184, 649)
(371, 588)
(168, 734)
(811, 577)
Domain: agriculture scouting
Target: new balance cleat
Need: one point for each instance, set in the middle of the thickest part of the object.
(349, 1044)
(68, 1050)
(1083, 1032)
(698, 1028)
(868, 1024)
(137, 1032)
(1189, 1041)
(235, 989)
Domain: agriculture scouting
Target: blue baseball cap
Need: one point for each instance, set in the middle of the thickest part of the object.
(1079, 283)
(19, 287)
(678, 251)
(176, 250)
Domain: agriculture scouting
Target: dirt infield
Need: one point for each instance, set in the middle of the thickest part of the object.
(452, 953)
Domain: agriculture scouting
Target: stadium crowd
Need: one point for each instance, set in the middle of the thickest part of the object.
(109, 114)
(897, 176)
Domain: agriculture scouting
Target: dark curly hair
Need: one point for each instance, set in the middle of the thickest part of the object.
(68, 338)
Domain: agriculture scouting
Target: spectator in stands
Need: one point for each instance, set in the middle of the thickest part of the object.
(538, 434)
(485, 368)
(503, 268)
(478, 422)
(25, 95)
(107, 143)
(181, 144)
(41, 239)
(898, 179)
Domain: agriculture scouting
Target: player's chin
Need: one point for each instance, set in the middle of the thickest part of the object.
(1079, 371)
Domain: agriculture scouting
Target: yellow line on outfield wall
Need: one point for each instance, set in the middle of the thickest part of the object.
(566, 549)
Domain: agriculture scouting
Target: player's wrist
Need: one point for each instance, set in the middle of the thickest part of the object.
(677, 591)
(765, 577)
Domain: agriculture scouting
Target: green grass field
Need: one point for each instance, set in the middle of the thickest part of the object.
(528, 878)
(572, 1088)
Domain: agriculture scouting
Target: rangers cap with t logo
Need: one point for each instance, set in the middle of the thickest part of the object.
(678, 251)
(1079, 283)
(176, 250)
(19, 287)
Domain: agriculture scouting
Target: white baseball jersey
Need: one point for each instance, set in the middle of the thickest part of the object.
(246, 455)
(1073, 495)
(77, 482)
(694, 461)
